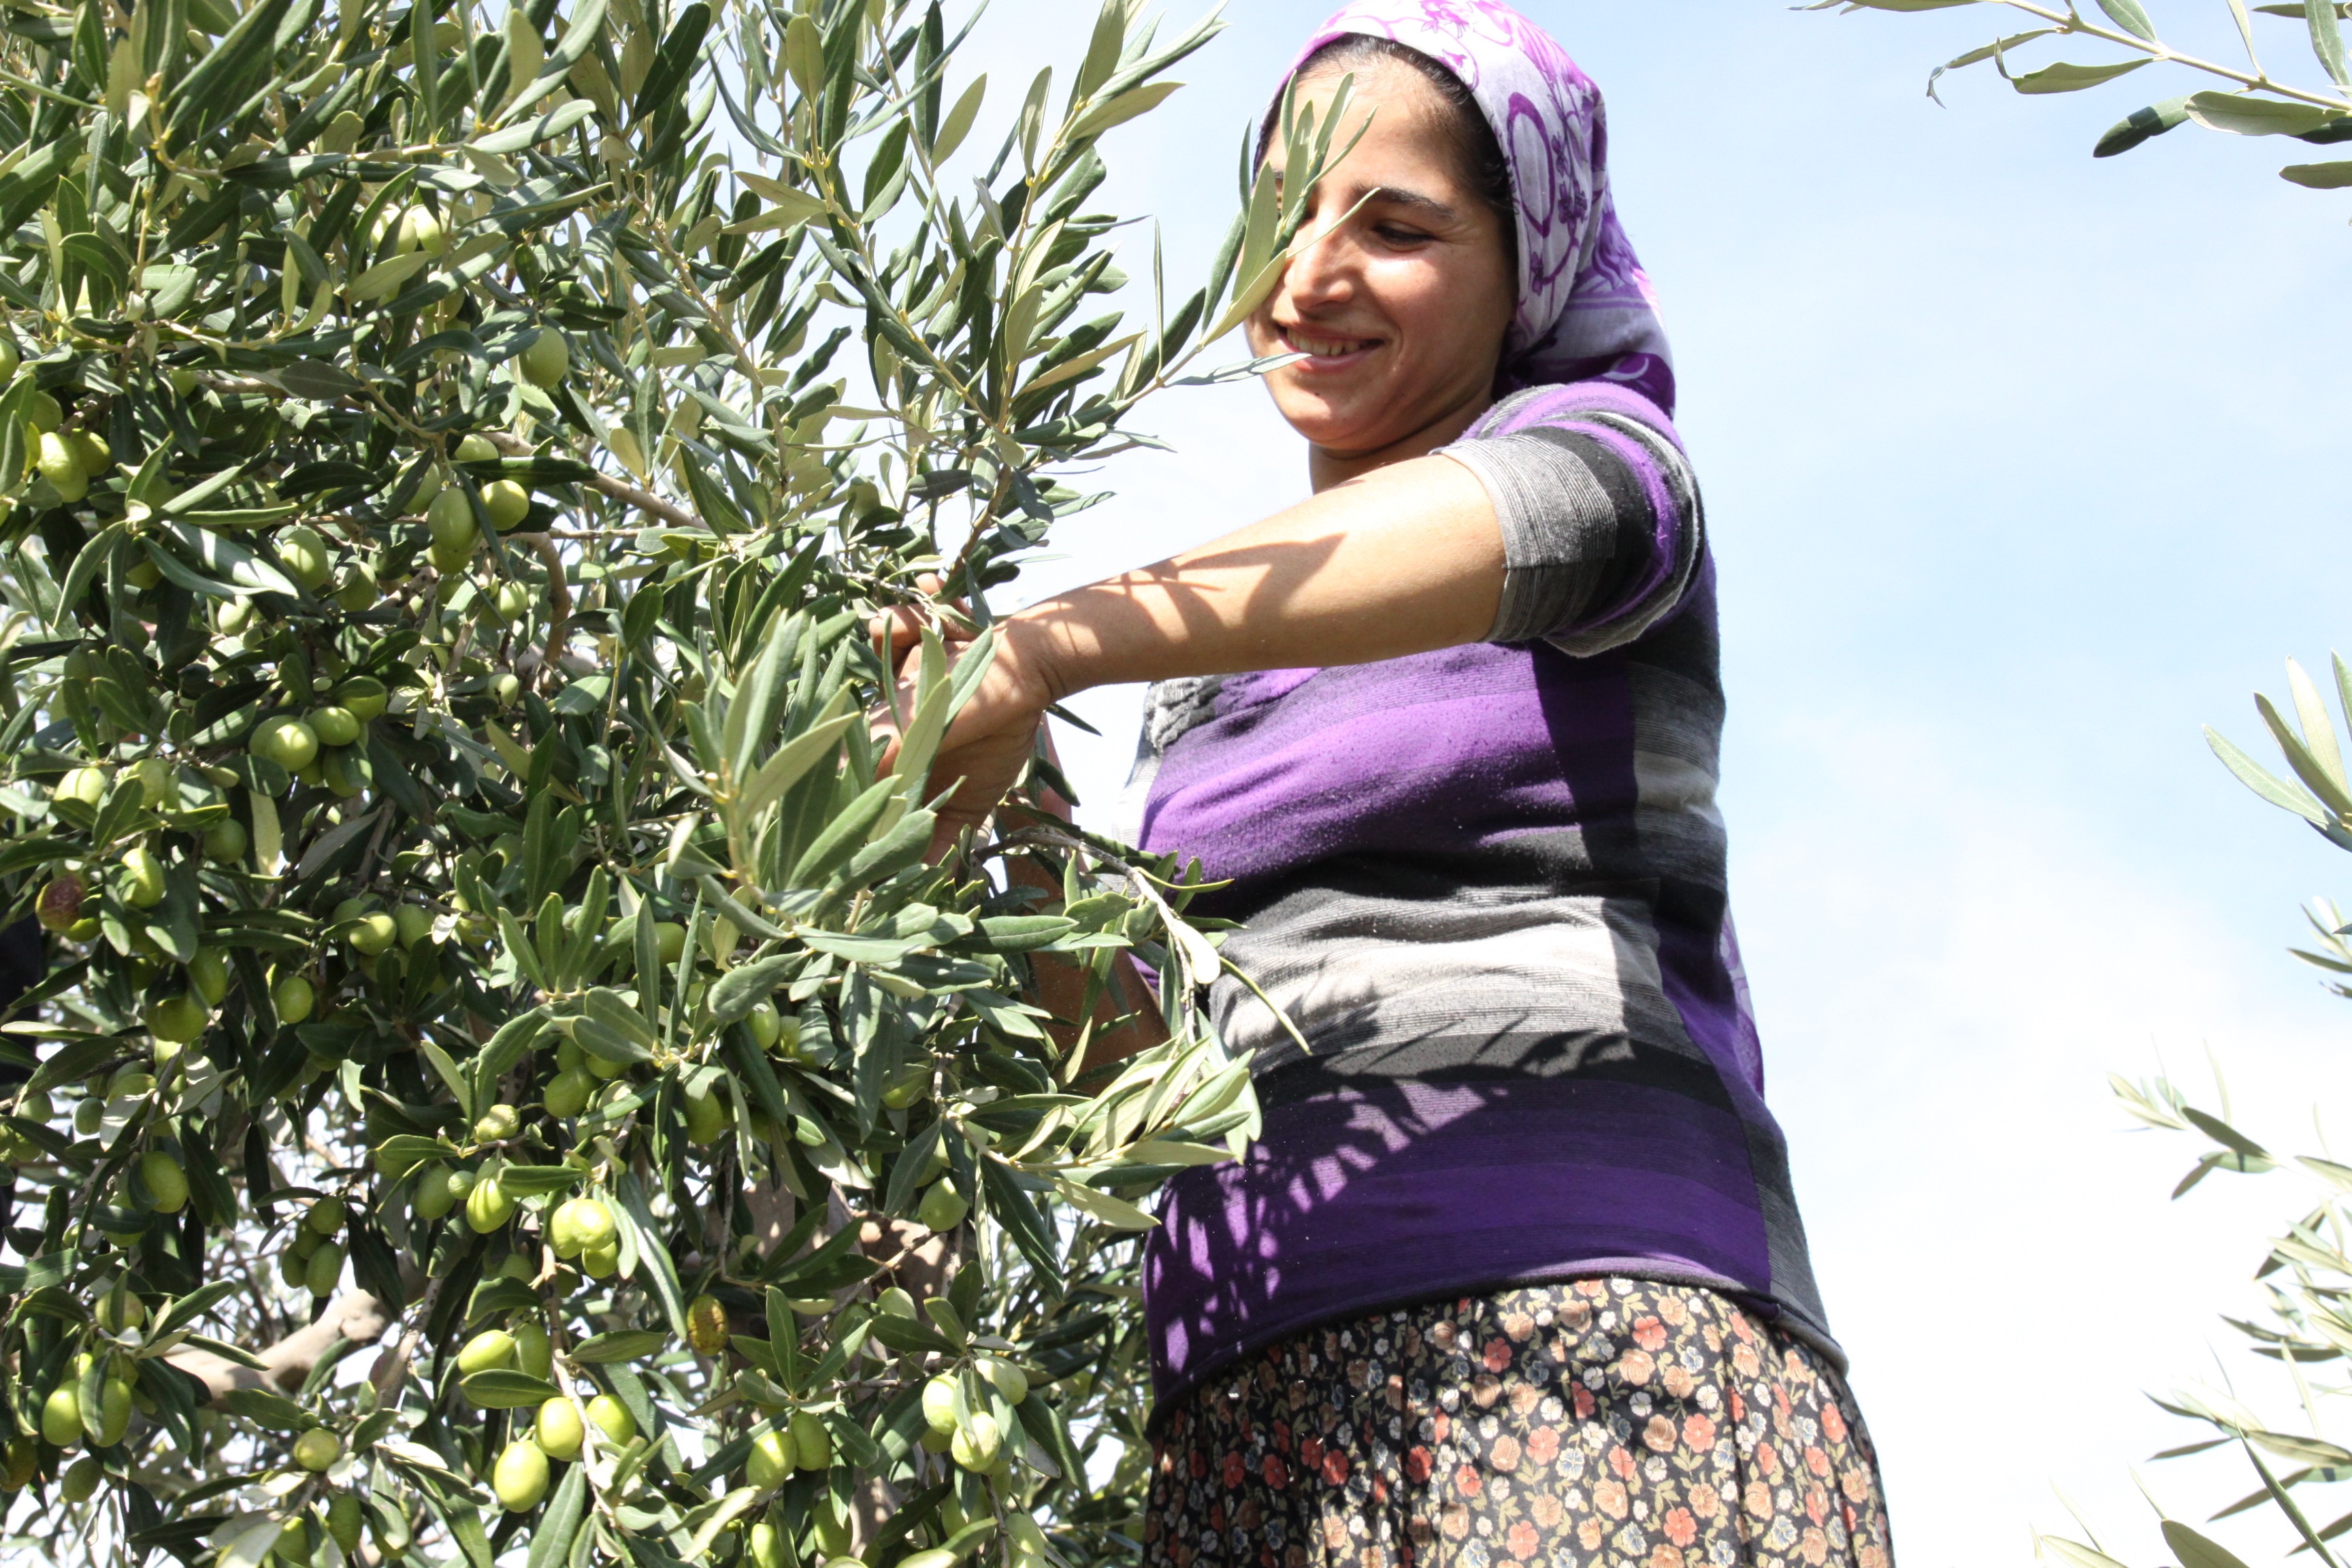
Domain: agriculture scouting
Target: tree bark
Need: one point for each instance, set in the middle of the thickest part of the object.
(355, 1315)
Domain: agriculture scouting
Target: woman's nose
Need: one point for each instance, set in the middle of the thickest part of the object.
(1323, 272)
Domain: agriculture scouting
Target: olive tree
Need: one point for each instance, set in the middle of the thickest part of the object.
(513, 1074)
(2306, 1272)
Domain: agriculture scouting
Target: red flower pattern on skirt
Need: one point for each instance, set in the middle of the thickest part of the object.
(1590, 1425)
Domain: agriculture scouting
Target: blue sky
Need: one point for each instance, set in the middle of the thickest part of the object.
(2020, 466)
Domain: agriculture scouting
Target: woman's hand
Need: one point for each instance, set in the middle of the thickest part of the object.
(988, 747)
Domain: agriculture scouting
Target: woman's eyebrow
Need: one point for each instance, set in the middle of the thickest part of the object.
(1398, 196)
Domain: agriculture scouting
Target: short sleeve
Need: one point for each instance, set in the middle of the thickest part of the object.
(1603, 527)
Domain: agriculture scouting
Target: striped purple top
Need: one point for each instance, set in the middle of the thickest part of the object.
(1487, 886)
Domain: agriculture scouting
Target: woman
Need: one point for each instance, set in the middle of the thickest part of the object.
(1514, 1274)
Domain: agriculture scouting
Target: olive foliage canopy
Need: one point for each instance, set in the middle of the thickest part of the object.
(513, 1079)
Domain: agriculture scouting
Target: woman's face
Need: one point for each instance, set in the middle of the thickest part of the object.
(1400, 303)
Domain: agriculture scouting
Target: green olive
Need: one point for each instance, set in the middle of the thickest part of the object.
(60, 464)
(325, 1269)
(488, 1206)
(344, 1517)
(414, 923)
(770, 1464)
(474, 448)
(177, 1019)
(143, 878)
(432, 1198)
(291, 999)
(567, 1095)
(940, 1403)
(1010, 1379)
(559, 1428)
(521, 1476)
(943, 1207)
(705, 1325)
(289, 742)
(977, 1443)
(580, 1223)
(114, 1410)
(359, 592)
(612, 1417)
(225, 841)
(373, 934)
(420, 229)
(362, 697)
(121, 1309)
(507, 503)
(706, 1116)
(231, 616)
(333, 726)
(811, 1444)
(316, 1449)
(450, 519)
(167, 1185)
(208, 976)
(490, 1349)
(303, 554)
(80, 1480)
(61, 1414)
(546, 358)
(911, 1086)
(534, 1353)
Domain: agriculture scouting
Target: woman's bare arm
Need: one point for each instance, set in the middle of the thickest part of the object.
(1403, 560)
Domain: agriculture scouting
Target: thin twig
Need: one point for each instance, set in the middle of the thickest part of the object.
(605, 484)
(2069, 22)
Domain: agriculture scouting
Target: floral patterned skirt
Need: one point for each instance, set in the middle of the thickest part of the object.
(1616, 1422)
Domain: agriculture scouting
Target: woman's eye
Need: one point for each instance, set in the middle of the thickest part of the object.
(1397, 234)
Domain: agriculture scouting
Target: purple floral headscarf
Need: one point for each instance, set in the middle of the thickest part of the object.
(1586, 308)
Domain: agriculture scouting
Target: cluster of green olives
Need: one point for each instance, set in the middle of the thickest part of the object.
(67, 460)
(960, 1425)
(313, 1258)
(559, 1428)
(162, 1181)
(322, 747)
(449, 515)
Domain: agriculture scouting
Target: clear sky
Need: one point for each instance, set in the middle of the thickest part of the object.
(2019, 468)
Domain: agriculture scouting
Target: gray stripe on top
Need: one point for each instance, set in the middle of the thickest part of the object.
(1358, 972)
(1575, 526)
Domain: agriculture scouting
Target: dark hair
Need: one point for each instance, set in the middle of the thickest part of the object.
(1482, 166)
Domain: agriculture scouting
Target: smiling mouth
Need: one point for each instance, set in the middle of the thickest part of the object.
(1300, 341)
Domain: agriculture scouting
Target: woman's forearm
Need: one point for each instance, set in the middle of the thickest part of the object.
(1403, 559)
